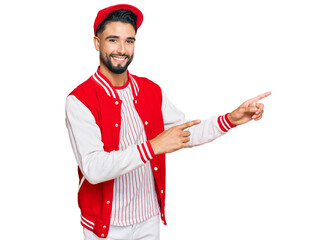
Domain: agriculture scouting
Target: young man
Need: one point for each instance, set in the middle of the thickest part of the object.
(121, 126)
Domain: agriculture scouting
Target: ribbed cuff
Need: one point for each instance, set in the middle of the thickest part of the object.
(146, 151)
(224, 123)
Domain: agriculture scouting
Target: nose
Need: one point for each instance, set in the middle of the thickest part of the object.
(121, 48)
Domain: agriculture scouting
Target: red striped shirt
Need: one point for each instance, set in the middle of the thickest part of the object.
(135, 197)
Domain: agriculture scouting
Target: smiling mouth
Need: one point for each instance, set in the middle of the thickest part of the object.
(119, 58)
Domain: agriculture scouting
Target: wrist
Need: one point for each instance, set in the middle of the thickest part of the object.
(230, 121)
(154, 146)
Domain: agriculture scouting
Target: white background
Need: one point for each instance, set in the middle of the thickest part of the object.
(273, 179)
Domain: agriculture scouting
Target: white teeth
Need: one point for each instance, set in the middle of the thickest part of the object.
(119, 59)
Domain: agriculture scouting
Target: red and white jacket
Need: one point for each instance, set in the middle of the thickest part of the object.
(93, 118)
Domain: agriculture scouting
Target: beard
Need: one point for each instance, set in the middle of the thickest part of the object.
(116, 69)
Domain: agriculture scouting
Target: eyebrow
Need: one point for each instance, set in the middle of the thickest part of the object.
(117, 37)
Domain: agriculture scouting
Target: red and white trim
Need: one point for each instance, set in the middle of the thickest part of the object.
(146, 151)
(86, 223)
(224, 123)
(109, 89)
(105, 84)
(134, 84)
(102, 85)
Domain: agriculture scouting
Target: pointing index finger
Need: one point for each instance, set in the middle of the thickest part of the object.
(189, 124)
(259, 97)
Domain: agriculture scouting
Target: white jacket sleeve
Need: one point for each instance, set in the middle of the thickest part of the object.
(207, 131)
(97, 165)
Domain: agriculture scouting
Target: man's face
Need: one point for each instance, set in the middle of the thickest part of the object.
(116, 46)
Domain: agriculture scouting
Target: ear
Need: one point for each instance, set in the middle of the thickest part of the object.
(96, 42)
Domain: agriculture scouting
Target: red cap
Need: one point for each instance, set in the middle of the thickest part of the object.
(102, 14)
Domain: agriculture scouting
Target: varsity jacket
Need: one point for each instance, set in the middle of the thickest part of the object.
(93, 118)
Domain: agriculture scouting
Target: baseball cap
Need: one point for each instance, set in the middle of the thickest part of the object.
(103, 14)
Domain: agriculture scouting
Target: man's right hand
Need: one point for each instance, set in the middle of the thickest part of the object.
(173, 139)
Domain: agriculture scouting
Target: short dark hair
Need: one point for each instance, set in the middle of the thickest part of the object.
(122, 15)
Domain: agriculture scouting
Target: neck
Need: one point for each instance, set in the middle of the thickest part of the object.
(117, 80)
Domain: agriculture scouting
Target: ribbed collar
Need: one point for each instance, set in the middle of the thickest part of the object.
(110, 90)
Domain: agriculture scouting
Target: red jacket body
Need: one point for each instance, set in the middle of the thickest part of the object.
(95, 200)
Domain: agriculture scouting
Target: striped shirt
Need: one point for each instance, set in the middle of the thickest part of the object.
(134, 193)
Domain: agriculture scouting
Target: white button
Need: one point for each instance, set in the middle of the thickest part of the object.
(155, 168)
(108, 202)
(116, 102)
(116, 124)
(103, 235)
(161, 191)
(104, 226)
(146, 123)
(135, 101)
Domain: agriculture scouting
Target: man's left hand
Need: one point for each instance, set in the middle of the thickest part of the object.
(249, 110)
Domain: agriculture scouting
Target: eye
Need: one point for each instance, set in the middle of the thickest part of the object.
(112, 40)
(130, 41)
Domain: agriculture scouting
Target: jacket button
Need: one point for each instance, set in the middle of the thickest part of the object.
(116, 102)
(146, 123)
(162, 191)
(104, 226)
(155, 168)
(103, 235)
(108, 202)
(135, 101)
(116, 124)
